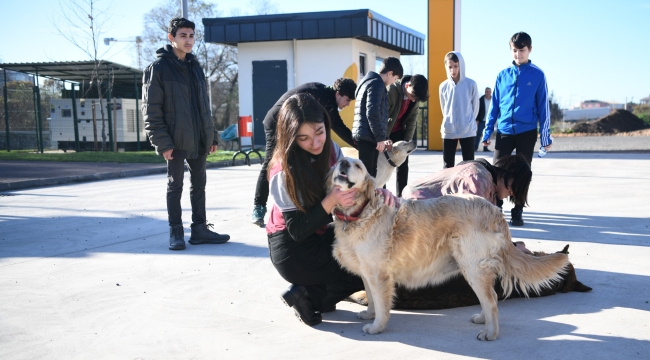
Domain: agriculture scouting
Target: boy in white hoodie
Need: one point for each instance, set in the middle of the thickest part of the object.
(459, 102)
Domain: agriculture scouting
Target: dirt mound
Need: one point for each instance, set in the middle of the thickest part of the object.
(617, 121)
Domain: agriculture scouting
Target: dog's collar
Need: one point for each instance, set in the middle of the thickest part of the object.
(352, 217)
(389, 160)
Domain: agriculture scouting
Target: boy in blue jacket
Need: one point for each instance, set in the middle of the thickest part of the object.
(519, 107)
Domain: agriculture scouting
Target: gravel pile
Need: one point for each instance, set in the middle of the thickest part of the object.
(617, 121)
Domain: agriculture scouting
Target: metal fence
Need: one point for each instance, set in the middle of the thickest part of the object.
(21, 120)
(47, 116)
(421, 129)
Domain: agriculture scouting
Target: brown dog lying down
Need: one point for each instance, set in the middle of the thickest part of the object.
(457, 292)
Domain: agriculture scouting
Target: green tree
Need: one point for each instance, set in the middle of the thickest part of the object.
(643, 112)
(556, 112)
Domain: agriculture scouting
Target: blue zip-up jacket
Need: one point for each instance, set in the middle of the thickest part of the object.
(520, 103)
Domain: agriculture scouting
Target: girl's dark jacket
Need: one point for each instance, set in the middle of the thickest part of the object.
(175, 105)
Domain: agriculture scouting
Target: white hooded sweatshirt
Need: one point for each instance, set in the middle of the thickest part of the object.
(459, 104)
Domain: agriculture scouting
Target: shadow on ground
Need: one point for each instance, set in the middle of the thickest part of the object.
(583, 228)
(79, 236)
(551, 321)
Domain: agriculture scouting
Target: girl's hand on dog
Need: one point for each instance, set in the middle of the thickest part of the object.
(340, 197)
(389, 199)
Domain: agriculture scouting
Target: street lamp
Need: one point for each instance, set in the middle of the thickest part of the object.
(138, 43)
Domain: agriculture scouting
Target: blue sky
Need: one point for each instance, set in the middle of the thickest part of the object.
(593, 49)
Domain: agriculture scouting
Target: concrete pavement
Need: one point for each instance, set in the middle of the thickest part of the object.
(85, 273)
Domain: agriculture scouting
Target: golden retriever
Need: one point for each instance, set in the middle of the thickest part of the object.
(427, 242)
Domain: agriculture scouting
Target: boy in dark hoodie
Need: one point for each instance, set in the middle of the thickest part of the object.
(179, 125)
(371, 112)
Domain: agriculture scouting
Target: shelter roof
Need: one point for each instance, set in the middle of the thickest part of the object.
(78, 71)
(362, 24)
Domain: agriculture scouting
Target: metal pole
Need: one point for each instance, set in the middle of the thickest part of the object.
(184, 7)
(40, 117)
(6, 110)
(137, 112)
(74, 118)
(95, 126)
(37, 123)
(114, 124)
(110, 118)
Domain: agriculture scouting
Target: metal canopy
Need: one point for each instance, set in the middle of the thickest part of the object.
(362, 24)
(78, 71)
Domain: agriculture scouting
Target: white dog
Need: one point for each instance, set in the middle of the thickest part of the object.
(388, 160)
(427, 242)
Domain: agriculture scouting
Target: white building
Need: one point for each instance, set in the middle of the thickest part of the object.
(279, 52)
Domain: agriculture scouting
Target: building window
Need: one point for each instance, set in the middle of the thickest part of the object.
(362, 64)
(66, 113)
(378, 62)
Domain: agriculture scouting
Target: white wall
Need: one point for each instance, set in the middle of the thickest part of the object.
(260, 51)
(321, 61)
(372, 53)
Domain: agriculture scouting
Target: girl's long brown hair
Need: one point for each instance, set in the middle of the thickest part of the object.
(305, 179)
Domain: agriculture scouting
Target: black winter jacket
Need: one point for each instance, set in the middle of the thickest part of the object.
(325, 95)
(172, 118)
(370, 109)
(481, 109)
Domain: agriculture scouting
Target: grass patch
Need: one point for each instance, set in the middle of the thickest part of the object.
(142, 157)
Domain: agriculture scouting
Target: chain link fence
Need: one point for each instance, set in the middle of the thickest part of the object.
(21, 115)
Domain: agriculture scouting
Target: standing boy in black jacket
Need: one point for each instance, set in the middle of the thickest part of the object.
(178, 123)
(371, 112)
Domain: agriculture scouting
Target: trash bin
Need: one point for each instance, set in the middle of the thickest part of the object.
(246, 126)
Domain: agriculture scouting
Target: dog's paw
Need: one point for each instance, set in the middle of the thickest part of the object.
(484, 335)
(372, 329)
(478, 319)
(365, 315)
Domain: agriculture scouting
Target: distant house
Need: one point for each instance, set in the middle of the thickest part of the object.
(585, 114)
(645, 101)
(588, 104)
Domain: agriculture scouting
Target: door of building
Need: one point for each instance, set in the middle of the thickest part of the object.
(269, 84)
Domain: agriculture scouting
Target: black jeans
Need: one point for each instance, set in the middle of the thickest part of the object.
(524, 143)
(368, 155)
(175, 173)
(402, 170)
(314, 267)
(262, 187)
(480, 126)
(449, 150)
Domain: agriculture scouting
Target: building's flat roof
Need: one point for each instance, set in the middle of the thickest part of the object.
(362, 24)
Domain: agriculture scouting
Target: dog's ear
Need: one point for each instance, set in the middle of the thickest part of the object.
(328, 179)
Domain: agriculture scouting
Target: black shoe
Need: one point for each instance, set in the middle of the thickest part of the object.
(176, 237)
(516, 217)
(202, 235)
(486, 149)
(329, 309)
(296, 297)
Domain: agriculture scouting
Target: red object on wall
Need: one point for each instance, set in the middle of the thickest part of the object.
(245, 126)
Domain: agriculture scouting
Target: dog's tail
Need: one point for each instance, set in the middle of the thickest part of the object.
(528, 272)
